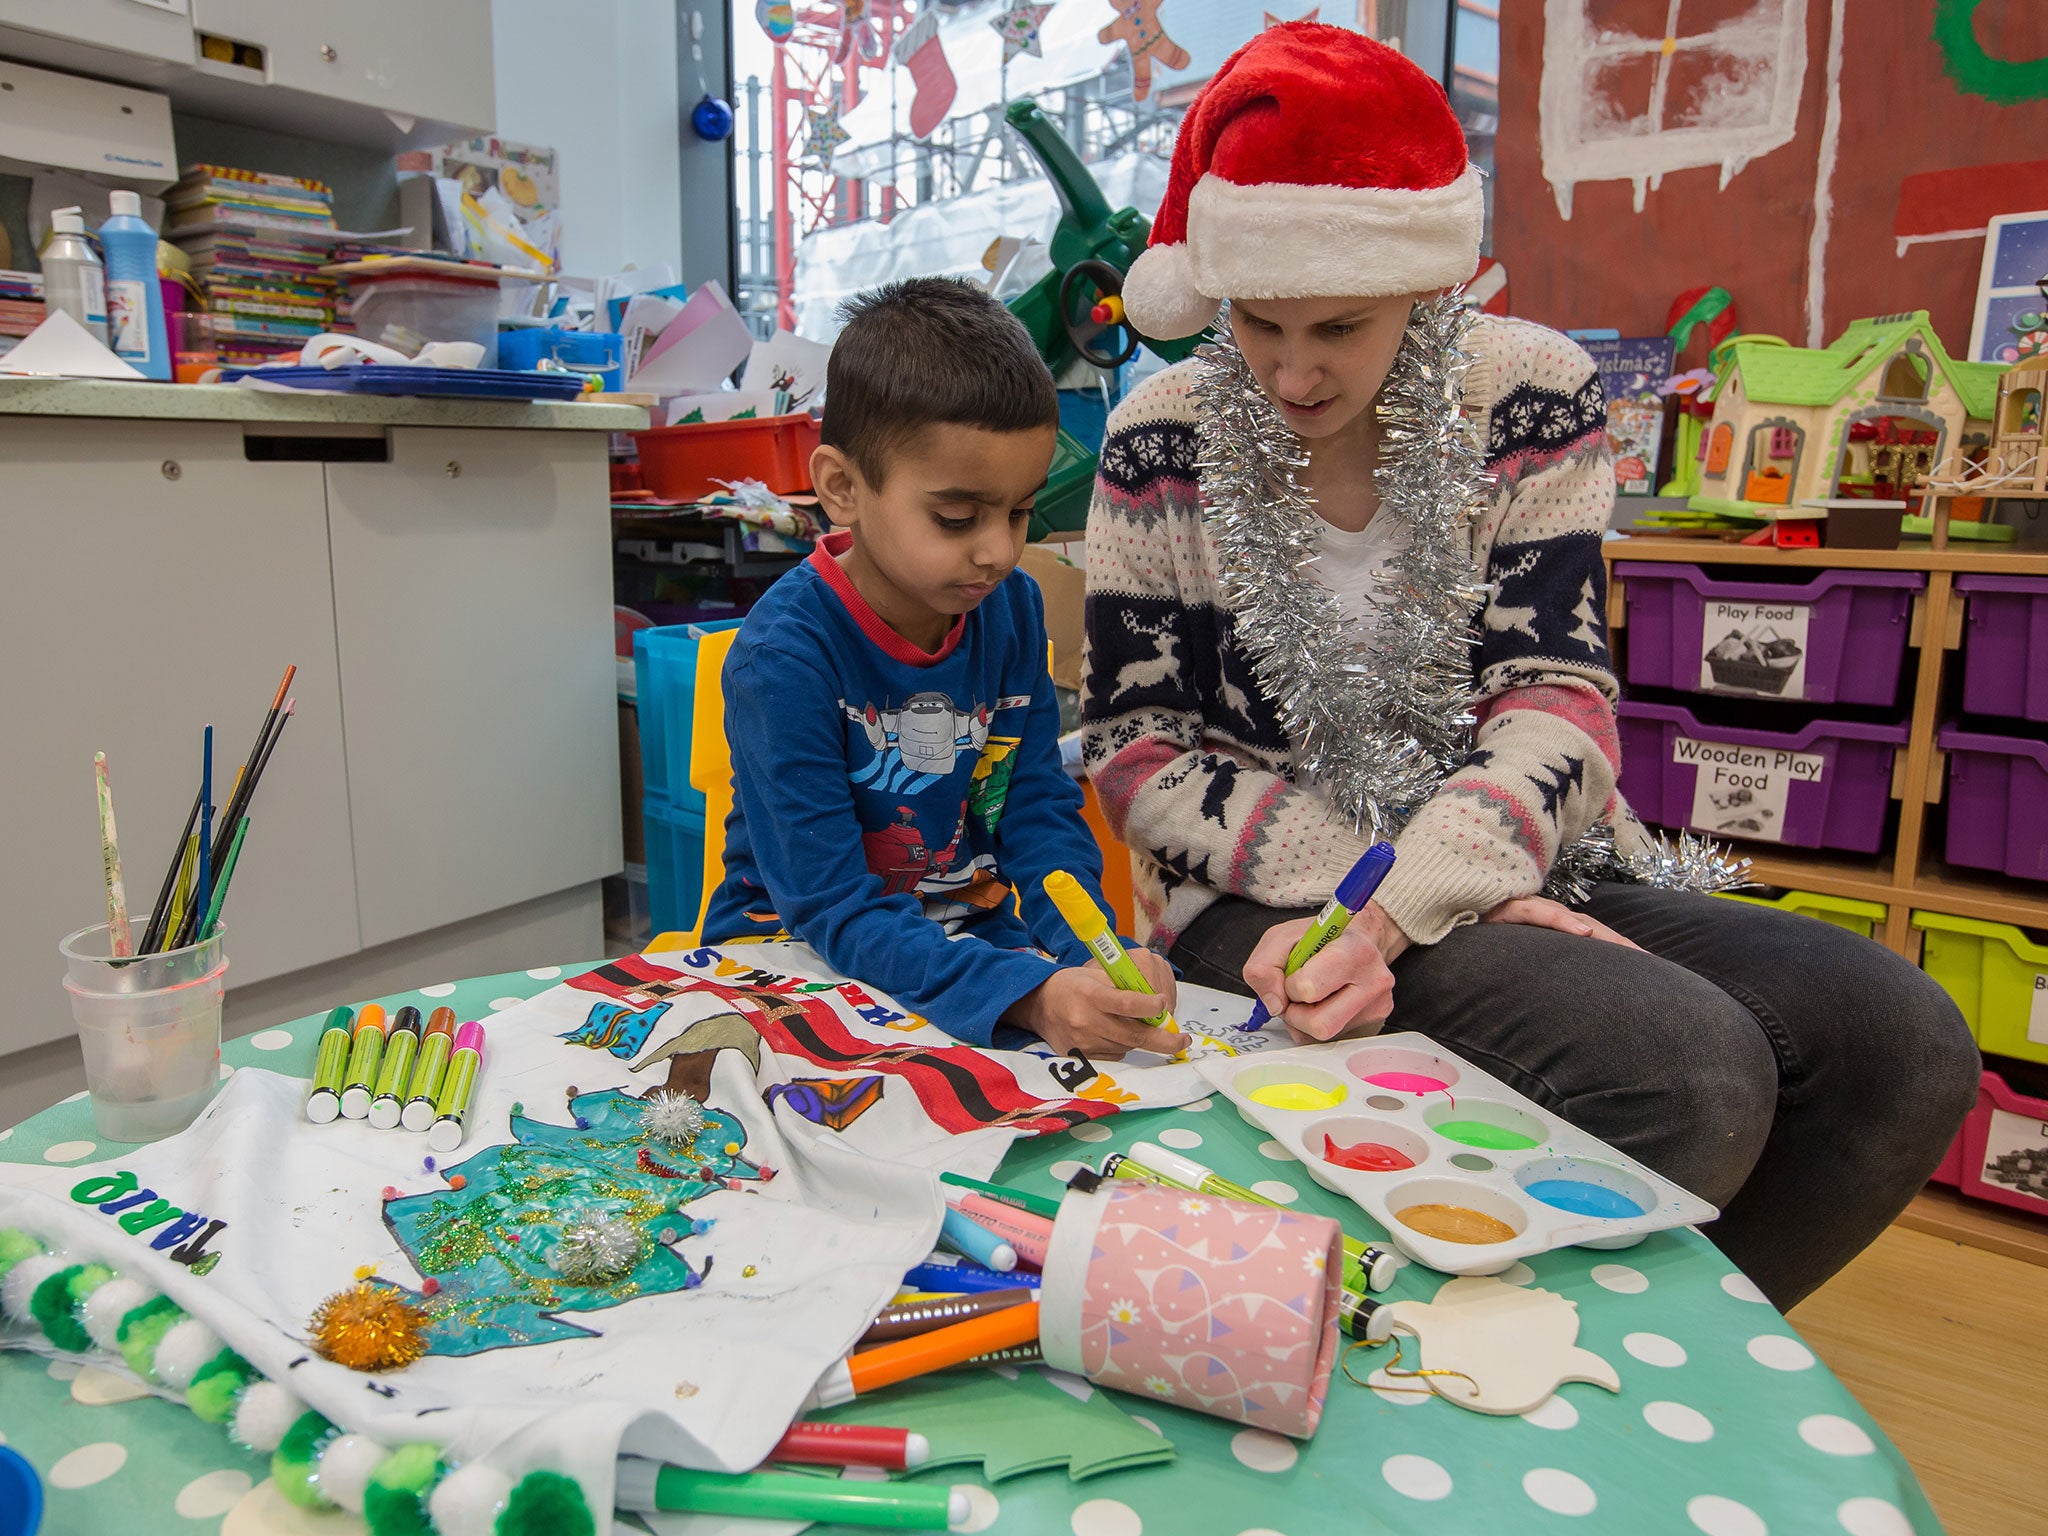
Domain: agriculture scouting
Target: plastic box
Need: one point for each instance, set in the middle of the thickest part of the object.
(2004, 1153)
(598, 352)
(1843, 911)
(410, 310)
(1854, 625)
(675, 863)
(1997, 802)
(685, 463)
(1998, 977)
(1840, 804)
(671, 812)
(2005, 645)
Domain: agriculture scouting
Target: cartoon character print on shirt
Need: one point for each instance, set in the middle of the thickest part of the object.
(991, 786)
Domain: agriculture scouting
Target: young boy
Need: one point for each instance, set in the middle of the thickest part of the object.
(895, 753)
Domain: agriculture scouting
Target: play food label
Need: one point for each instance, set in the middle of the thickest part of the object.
(1741, 791)
(2037, 1010)
(1755, 648)
(2016, 1154)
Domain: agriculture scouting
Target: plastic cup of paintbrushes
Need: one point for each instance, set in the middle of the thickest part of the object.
(149, 1027)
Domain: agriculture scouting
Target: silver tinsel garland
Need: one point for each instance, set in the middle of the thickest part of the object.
(1381, 721)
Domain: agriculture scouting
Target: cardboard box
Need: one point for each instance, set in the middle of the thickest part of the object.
(1064, 585)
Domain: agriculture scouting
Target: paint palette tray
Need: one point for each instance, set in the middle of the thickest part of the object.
(1465, 1174)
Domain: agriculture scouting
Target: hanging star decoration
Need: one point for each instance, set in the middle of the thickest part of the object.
(823, 135)
(1273, 21)
(1018, 28)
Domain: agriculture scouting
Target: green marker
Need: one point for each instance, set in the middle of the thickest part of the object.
(428, 1070)
(1353, 892)
(330, 1068)
(400, 1046)
(365, 1051)
(445, 1135)
(648, 1485)
(1037, 1205)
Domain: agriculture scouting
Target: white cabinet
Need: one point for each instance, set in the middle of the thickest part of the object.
(472, 579)
(148, 29)
(152, 580)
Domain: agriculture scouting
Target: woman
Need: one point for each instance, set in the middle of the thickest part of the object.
(1344, 577)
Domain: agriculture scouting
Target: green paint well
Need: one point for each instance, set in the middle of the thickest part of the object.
(1477, 1133)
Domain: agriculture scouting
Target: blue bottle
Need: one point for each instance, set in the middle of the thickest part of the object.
(135, 301)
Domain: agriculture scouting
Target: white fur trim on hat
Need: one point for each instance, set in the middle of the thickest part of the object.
(1283, 241)
(1161, 296)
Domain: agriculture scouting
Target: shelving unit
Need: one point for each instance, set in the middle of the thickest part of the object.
(1911, 875)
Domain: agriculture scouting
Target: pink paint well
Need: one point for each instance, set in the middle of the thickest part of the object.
(1408, 1082)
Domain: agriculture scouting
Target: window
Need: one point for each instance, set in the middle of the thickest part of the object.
(1905, 377)
(2022, 413)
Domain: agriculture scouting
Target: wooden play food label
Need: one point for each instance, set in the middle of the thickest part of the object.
(1755, 648)
(1741, 791)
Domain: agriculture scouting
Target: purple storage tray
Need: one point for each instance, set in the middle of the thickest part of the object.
(1844, 808)
(1856, 630)
(2005, 646)
(1997, 802)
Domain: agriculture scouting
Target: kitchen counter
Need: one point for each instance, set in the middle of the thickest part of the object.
(121, 398)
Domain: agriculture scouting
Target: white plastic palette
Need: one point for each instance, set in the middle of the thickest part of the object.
(1471, 1146)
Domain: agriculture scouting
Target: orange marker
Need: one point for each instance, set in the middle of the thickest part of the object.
(925, 1352)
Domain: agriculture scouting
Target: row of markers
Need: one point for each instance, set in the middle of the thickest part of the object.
(395, 1075)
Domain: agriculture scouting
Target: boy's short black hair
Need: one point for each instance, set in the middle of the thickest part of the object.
(925, 351)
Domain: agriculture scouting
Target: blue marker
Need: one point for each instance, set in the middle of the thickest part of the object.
(966, 1235)
(1353, 892)
(941, 1272)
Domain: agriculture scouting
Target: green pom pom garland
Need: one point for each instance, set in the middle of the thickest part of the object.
(547, 1504)
(395, 1503)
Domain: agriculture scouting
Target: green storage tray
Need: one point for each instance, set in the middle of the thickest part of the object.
(1844, 912)
(1998, 977)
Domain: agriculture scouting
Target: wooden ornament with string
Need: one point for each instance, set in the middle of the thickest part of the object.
(1511, 1346)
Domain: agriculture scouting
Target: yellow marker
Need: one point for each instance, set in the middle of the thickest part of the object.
(1092, 929)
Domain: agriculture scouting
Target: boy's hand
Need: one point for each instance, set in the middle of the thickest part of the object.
(1080, 1009)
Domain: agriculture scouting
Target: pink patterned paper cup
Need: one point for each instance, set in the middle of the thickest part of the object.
(1226, 1308)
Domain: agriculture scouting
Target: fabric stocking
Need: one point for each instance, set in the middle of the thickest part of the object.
(925, 57)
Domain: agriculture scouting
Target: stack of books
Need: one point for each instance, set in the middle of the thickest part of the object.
(21, 307)
(257, 244)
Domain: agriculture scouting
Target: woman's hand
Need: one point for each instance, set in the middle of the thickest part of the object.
(1080, 1009)
(1345, 989)
(1542, 912)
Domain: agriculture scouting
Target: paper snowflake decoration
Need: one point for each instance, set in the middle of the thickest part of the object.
(1018, 28)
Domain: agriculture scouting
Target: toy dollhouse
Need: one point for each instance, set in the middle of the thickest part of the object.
(1867, 416)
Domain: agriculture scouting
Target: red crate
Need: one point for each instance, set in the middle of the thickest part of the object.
(685, 463)
(2004, 1149)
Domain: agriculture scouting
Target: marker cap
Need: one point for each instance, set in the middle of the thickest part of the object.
(445, 1135)
(1364, 877)
(470, 1037)
(323, 1106)
(1182, 1170)
(1380, 1273)
(417, 1115)
(355, 1102)
(385, 1112)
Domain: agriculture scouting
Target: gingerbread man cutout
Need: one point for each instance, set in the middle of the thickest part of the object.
(1137, 27)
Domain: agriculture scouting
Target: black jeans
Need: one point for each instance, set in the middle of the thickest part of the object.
(1805, 1080)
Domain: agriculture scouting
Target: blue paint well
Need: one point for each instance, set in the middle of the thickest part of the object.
(1583, 1199)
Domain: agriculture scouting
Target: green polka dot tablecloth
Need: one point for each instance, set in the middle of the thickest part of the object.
(1726, 1424)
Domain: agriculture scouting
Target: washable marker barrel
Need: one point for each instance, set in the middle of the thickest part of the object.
(941, 1272)
(428, 1070)
(365, 1051)
(872, 1369)
(445, 1135)
(1026, 1233)
(1092, 929)
(970, 1237)
(1037, 1205)
(1363, 1318)
(1353, 892)
(915, 1317)
(401, 1045)
(330, 1068)
(810, 1443)
(644, 1485)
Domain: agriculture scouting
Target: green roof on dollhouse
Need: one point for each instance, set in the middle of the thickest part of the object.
(1776, 374)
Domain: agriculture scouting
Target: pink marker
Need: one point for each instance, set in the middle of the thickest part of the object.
(1023, 1231)
(445, 1135)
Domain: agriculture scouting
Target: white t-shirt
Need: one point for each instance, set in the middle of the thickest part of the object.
(1347, 565)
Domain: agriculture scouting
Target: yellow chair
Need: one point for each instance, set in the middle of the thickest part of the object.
(711, 776)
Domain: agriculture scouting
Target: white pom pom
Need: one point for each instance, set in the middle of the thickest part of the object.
(345, 1468)
(185, 1347)
(468, 1500)
(263, 1415)
(19, 1288)
(105, 1307)
(674, 1118)
(1161, 297)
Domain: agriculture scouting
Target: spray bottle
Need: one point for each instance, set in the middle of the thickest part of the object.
(135, 300)
(73, 279)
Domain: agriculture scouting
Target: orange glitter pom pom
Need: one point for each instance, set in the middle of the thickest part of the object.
(369, 1328)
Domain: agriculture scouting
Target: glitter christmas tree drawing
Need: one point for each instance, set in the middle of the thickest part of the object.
(488, 1244)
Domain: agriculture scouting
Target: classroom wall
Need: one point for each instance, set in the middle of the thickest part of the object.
(1840, 137)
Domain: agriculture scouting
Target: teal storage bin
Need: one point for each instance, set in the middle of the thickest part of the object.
(672, 813)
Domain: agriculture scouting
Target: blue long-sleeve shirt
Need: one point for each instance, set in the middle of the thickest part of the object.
(886, 802)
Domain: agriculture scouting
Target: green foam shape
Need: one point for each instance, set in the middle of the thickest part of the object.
(52, 1308)
(546, 1504)
(143, 1328)
(293, 1463)
(16, 1245)
(395, 1503)
(1011, 1427)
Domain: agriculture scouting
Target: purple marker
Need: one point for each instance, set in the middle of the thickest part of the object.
(1353, 892)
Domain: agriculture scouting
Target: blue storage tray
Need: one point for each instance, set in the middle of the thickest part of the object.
(383, 379)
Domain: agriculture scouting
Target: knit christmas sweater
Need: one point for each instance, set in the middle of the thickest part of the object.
(1187, 752)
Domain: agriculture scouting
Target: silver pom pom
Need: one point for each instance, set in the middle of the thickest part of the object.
(1381, 721)
(672, 1118)
(595, 1248)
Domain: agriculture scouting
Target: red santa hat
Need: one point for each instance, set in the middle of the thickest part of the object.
(1316, 163)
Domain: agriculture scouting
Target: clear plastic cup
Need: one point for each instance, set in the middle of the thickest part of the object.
(150, 1030)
